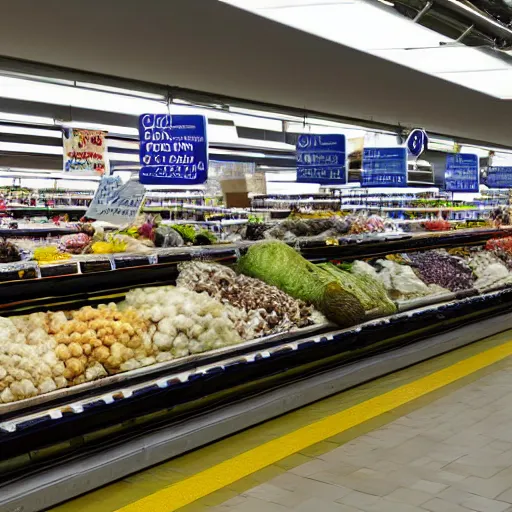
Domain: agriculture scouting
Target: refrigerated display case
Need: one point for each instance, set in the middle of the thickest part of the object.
(56, 445)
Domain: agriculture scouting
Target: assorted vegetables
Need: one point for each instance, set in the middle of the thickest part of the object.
(267, 309)
(272, 289)
(440, 268)
(279, 265)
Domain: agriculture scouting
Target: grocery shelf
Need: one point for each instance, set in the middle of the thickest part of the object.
(123, 427)
(416, 208)
(81, 278)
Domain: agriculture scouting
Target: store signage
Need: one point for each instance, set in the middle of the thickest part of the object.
(173, 149)
(84, 151)
(116, 203)
(462, 173)
(499, 177)
(384, 167)
(322, 159)
(417, 142)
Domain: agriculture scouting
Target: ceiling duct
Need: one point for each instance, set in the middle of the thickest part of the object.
(482, 23)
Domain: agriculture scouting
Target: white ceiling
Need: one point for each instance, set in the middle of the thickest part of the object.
(211, 46)
(378, 30)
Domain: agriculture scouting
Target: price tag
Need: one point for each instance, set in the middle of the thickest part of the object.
(116, 203)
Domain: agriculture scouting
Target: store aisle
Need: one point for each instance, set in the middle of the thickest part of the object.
(434, 437)
(454, 455)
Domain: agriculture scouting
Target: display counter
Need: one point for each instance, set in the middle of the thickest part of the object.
(99, 425)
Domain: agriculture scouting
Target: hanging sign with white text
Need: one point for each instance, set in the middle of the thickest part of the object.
(173, 149)
(322, 159)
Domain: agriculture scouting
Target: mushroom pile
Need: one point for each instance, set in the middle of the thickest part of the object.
(268, 310)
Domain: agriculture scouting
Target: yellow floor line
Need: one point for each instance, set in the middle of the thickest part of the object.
(221, 475)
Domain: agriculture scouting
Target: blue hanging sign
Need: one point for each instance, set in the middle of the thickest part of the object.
(417, 142)
(462, 173)
(322, 159)
(499, 177)
(384, 167)
(173, 149)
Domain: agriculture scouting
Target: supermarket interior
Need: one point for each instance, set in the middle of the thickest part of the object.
(256, 256)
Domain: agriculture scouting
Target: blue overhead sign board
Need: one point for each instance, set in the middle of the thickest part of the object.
(462, 173)
(384, 167)
(499, 177)
(322, 159)
(417, 142)
(173, 149)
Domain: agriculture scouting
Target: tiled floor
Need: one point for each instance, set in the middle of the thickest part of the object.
(450, 450)
(453, 455)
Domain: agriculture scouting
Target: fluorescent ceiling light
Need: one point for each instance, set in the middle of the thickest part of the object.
(237, 153)
(482, 153)
(188, 109)
(123, 144)
(214, 106)
(494, 82)
(28, 90)
(30, 148)
(264, 114)
(265, 144)
(354, 23)
(260, 123)
(320, 130)
(385, 33)
(23, 119)
(36, 132)
(112, 130)
(120, 90)
(438, 144)
(443, 59)
(19, 172)
(222, 133)
(123, 157)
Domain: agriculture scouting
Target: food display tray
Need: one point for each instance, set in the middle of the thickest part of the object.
(24, 282)
(167, 393)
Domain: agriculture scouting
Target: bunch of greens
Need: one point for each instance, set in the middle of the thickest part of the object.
(279, 265)
(370, 292)
(196, 237)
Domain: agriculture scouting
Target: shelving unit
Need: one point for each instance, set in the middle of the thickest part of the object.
(157, 407)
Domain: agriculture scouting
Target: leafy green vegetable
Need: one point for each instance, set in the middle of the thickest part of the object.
(370, 292)
(278, 264)
(187, 232)
(205, 237)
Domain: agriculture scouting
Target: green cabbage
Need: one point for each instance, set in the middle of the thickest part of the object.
(279, 265)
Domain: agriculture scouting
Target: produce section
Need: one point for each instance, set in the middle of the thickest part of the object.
(270, 289)
(101, 343)
(155, 327)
